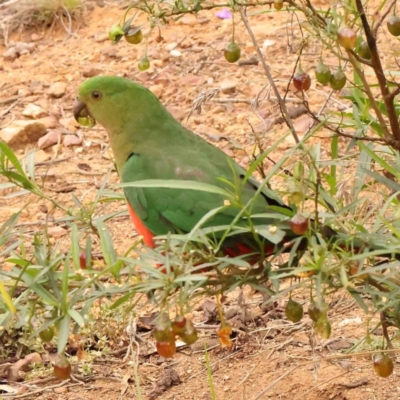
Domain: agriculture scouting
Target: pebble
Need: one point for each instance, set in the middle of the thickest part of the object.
(57, 89)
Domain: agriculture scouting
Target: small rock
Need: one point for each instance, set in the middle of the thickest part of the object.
(110, 51)
(34, 111)
(175, 53)
(20, 133)
(89, 72)
(71, 140)
(208, 131)
(69, 123)
(101, 38)
(57, 89)
(35, 37)
(50, 139)
(157, 89)
(303, 124)
(50, 122)
(60, 390)
(56, 231)
(189, 19)
(192, 80)
(177, 113)
(268, 43)
(228, 87)
(10, 54)
(171, 46)
(41, 156)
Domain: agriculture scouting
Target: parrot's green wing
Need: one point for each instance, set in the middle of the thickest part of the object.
(164, 210)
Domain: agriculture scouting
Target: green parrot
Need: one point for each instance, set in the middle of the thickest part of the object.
(149, 143)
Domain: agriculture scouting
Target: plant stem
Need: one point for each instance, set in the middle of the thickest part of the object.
(267, 71)
(377, 67)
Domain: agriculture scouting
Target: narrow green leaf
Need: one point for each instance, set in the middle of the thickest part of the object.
(63, 333)
(77, 317)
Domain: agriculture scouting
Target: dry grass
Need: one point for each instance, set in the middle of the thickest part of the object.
(21, 13)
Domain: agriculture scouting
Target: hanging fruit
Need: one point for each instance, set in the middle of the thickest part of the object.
(232, 52)
(322, 73)
(346, 37)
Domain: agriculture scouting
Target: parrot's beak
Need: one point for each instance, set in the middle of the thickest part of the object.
(82, 114)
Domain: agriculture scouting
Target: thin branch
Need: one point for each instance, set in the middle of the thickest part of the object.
(267, 71)
(377, 66)
(371, 98)
(382, 18)
(385, 331)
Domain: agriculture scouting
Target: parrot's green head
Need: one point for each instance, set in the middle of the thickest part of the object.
(111, 100)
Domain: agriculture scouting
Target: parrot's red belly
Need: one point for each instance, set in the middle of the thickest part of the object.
(141, 228)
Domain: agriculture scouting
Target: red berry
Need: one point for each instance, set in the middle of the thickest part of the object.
(62, 368)
(166, 349)
(301, 80)
(82, 260)
(299, 224)
(224, 332)
(346, 37)
(383, 365)
(179, 324)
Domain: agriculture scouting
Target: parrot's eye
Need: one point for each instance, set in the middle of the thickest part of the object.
(96, 95)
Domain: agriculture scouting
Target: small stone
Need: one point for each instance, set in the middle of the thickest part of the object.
(110, 51)
(228, 87)
(175, 53)
(189, 19)
(171, 46)
(34, 111)
(50, 122)
(57, 89)
(21, 132)
(35, 37)
(192, 80)
(56, 231)
(41, 156)
(89, 72)
(60, 390)
(69, 123)
(50, 139)
(177, 113)
(157, 89)
(10, 54)
(101, 38)
(72, 140)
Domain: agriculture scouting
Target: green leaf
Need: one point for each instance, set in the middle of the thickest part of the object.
(75, 248)
(269, 232)
(63, 334)
(77, 317)
(122, 300)
(176, 184)
(106, 243)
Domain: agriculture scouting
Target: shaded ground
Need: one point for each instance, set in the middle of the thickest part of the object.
(272, 350)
